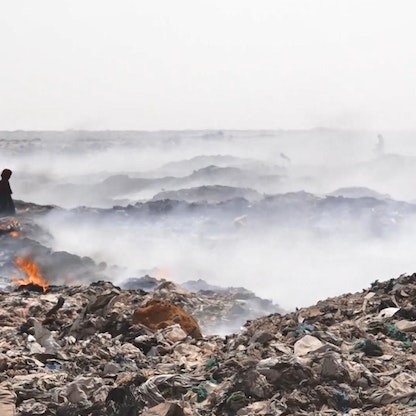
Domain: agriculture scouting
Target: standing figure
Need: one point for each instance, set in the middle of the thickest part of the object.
(6, 201)
(379, 148)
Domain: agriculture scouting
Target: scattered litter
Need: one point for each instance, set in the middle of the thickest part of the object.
(100, 350)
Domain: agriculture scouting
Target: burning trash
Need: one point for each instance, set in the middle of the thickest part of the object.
(34, 280)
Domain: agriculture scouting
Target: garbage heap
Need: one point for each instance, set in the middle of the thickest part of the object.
(98, 350)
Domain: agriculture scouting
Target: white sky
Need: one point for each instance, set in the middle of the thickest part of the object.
(194, 64)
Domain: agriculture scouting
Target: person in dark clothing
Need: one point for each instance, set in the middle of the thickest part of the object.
(6, 201)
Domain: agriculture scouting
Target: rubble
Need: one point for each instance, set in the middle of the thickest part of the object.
(82, 350)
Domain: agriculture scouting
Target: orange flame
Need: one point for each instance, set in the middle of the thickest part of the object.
(14, 234)
(32, 272)
(162, 273)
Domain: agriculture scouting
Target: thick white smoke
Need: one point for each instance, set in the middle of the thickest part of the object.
(294, 251)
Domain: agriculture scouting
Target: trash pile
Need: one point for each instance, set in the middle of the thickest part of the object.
(100, 350)
(219, 310)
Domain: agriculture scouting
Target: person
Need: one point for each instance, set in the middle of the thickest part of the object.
(6, 201)
(379, 148)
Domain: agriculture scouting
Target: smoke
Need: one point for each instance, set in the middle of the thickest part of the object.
(292, 266)
(292, 248)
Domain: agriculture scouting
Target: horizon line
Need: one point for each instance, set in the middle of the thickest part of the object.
(320, 128)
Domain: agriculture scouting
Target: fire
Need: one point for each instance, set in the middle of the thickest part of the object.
(162, 273)
(32, 272)
(14, 234)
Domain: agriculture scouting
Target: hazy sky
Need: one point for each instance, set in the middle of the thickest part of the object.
(191, 64)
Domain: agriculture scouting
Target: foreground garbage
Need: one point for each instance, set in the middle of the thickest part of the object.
(84, 350)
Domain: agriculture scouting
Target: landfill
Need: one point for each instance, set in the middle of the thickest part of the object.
(155, 348)
(101, 350)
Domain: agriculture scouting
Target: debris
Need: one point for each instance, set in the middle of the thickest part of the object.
(103, 351)
(7, 400)
(164, 409)
(388, 312)
(369, 347)
(307, 344)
